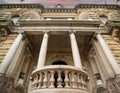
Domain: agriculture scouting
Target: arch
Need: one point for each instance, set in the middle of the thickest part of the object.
(59, 62)
(56, 57)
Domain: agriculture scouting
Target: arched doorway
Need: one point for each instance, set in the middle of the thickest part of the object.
(59, 62)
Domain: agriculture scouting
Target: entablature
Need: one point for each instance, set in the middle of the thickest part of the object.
(69, 23)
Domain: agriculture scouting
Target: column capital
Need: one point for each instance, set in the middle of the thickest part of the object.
(92, 52)
(95, 34)
(72, 31)
(46, 31)
(75, 51)
(20, 32)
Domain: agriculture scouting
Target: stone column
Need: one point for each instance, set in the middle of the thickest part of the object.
(43, 51)
(16, 60)
(75, 51)
(8, 59)
(108, 55)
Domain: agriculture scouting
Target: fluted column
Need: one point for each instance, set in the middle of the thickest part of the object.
(43, 51)
(108, 54)
(8, 58)
(75, 51)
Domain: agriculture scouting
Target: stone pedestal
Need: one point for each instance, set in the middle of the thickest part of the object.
(110, 87)
(113, 84)
(116, 83)
(6, 84)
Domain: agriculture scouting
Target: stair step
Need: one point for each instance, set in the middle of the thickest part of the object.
(10, 38)
(110, 39)
(13, 35)
(2, 54)
(116, 52)
(117, 58)
(104, 36)
(115, 48)
(116, 55)
(6, 45)
(2, 57)
(8, 42)
(4, 48)
(1, 61)
(111, 42)
(118, 62)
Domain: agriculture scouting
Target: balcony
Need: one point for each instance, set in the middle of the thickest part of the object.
(59, 79)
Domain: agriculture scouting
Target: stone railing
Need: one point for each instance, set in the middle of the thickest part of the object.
(59, 76)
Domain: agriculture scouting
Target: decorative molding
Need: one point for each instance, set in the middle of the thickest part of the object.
(62, 9)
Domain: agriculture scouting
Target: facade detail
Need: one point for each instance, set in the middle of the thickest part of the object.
(59, 50)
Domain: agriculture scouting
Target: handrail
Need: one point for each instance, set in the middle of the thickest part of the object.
(59, 76)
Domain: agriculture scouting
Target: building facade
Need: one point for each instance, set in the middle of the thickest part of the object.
(59, 50)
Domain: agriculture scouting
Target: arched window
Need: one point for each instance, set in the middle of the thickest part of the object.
(103, 19)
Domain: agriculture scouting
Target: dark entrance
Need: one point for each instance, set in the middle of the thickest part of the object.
(56, 73)
(59, 63)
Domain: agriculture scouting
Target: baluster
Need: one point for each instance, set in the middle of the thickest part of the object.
(73, 81)
(66, 80)
(59, 80)
(40, 80)
(45, 80)
(35, 82)
(82, 81)
(70, 78)
(78, 80)
(85, 82)
(52, 79)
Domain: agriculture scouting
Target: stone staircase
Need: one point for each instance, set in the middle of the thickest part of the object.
(5, 44)
(114, 47)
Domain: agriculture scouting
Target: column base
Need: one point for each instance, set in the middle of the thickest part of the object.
(116, 83)
(113, 84)
(6, 84)
(100, 89)
(20, 88)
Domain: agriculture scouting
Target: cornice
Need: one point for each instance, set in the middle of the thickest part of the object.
(108, 6)
(79, 6)
(68, 10)
(22, 6)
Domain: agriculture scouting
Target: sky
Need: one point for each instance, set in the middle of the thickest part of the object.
(66, 3)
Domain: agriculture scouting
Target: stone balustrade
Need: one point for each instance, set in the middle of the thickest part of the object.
(59, 76)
